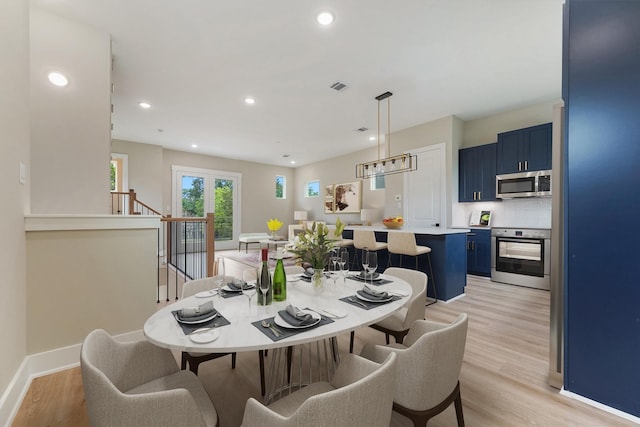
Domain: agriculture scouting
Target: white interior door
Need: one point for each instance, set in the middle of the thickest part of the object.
(424, 188)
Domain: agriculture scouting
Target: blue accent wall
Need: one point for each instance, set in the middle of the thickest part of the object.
(601, 86)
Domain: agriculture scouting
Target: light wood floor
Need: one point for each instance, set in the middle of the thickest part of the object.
(503, 379)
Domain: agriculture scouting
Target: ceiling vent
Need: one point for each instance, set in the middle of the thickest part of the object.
(362, 129)
(339, 86)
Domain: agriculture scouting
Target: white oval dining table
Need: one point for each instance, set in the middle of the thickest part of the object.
(163, 330)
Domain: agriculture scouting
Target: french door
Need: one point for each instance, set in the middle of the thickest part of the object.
(197, 192)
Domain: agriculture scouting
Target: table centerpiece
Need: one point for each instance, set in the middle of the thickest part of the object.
(314, 246)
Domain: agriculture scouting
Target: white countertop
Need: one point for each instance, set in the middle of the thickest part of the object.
(434, 231)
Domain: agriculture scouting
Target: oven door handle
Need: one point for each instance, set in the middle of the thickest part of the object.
(512, 240)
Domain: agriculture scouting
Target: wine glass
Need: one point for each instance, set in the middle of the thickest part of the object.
(335, 258)
(220, 276)
(248, 291)
(373, 264)
(264, 288)
(344, 264)
(365, 261)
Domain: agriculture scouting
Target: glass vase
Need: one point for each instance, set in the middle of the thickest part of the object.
(317, 280)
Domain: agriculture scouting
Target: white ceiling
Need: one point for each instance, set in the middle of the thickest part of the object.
(196, 60)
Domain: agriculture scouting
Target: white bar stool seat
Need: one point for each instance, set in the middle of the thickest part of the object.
(404, 243)
(365, 239)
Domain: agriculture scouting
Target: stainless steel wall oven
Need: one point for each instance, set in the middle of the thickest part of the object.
(521, 256)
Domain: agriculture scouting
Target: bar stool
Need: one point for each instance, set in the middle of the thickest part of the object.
(365, 239)
(404, 243)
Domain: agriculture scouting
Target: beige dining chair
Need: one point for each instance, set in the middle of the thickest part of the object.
(193, 359)
(429, 364)
(400, 321)
(359, 394)
(138, 384)
(404, 243)
(365, 239)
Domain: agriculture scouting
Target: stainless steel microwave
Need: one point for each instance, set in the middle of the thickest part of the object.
(523, 184)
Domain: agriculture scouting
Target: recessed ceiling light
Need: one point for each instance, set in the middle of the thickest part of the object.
(58, 79)
(293, 162)
(144, 105)
(372, 138)
(324, 18)
(194, 145)
(249, 101)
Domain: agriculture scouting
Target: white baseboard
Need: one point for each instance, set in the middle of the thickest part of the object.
(599, 405)
(453, 299)
(40, 364)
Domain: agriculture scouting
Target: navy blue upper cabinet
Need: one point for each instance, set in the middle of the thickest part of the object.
(477, 173)
(522, 150)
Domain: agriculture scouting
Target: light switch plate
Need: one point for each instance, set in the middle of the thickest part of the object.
(23, 173)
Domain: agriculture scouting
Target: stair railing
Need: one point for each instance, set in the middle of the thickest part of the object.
(185, 245)
(189, 249)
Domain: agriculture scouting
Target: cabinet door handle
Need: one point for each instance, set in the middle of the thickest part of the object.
(526, 165)
(479, 195)
(474, 195)
(519, 166)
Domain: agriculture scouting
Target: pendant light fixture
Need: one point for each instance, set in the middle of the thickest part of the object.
(390, 164)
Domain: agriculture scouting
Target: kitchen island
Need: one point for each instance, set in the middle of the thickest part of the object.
(448, 256)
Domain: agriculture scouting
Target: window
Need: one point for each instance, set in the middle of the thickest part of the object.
(377, 182)
(312, 189)
(281, 187)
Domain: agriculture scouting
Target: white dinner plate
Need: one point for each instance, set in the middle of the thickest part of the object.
(206, 294)
(195, 322)
(282, 323)
(228, 289)
(376, 278)
(364, 298)
(204, 337)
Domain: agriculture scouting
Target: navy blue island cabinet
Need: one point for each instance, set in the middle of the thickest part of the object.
(601, 89)
(477, 173)
(479, 252)
(448, 257)
(523, 150)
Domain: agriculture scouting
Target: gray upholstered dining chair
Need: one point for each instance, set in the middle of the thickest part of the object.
(359, 394)
(400, 321)
(194, 360)
(429, 366)
(139, 384)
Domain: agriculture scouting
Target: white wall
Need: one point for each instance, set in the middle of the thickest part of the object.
(258, 187)
(145, 171)
(15, 147)
(70, 126)
(81, 280)
(339, 170)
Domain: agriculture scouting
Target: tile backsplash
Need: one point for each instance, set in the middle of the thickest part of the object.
(531, 212)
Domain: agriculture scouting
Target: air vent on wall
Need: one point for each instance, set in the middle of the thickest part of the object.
(339, 86)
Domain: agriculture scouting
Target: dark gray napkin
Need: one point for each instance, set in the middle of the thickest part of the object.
(193, 312)
(373, 294)
(293, 316)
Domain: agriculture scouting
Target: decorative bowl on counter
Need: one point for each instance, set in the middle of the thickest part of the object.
(393, 222)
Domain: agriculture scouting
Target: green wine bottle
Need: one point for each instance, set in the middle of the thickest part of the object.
(279, 279)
